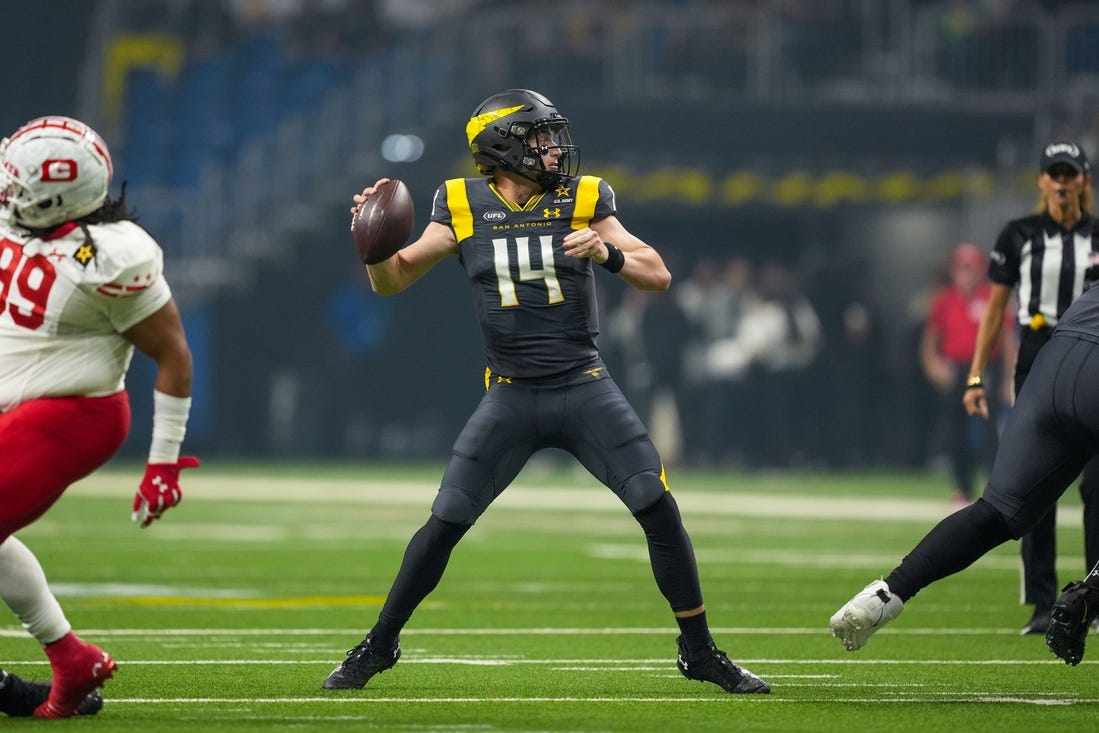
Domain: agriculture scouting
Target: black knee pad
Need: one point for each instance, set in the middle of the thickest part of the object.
(642, 490)
(985, 520)
(454, 506)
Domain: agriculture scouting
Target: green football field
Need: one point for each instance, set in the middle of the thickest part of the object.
(228, 614)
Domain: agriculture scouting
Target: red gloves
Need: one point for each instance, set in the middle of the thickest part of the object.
(159, 490)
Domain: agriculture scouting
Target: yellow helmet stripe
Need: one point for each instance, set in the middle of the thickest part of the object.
(481, 121)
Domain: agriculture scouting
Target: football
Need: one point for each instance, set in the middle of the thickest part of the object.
(383, 222)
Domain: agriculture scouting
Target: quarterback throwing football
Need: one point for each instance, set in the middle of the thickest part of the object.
(528, 234)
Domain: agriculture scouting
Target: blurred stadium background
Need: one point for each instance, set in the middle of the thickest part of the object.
(814, 159)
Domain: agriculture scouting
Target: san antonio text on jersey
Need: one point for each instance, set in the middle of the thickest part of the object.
(536, 306)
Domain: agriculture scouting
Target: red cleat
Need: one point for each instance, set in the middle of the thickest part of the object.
(78, 668)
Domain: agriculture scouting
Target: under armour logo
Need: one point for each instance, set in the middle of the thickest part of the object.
(593, 372)
(503, 380)
(554, 213)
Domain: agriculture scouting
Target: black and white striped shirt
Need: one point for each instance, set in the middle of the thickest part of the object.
(1050, 265)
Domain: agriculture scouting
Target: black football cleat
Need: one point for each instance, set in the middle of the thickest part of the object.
(714, 666)
(1072, 617)
(19, 697)
(362, 663)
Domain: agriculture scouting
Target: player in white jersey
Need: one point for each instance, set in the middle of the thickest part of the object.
(81, 285)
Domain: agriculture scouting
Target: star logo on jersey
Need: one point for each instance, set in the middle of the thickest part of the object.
(563, 191)
(85, 253)
(554, 213)
(593, 372)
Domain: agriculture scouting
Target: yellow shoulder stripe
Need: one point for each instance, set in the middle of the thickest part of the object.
(587, 194)
(461, 217)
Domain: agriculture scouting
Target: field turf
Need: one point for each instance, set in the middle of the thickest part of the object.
(228, 614)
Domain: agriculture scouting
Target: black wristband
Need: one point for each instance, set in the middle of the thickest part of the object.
(615, 258)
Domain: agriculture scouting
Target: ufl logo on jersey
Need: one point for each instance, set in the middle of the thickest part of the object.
(59, 170)
(494, 215)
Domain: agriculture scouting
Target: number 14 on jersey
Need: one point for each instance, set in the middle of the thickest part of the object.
(547, 273)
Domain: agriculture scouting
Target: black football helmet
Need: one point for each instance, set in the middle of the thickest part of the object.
(501, 131)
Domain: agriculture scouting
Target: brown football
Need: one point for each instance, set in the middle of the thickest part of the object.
(383, 222)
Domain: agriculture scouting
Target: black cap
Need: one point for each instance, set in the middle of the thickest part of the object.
(1069, 153)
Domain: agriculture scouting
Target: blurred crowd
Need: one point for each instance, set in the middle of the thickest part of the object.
(979, 44)
(725, 367)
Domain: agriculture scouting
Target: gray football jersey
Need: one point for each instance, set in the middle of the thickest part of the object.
(536, 307)
(1082, 317)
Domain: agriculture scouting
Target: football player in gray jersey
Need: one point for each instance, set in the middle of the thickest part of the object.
(1048, 259)
(528, 234)
(1050, 433)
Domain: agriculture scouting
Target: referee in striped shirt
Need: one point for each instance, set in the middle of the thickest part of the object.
(1051, 256)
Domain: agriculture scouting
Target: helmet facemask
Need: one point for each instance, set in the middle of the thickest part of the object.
(547, 136)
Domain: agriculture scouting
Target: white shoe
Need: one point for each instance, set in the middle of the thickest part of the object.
(871, 608)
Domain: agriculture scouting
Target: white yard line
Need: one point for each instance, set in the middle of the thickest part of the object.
(773, 699)
(663, 662)
(19, 633)
(215, 487)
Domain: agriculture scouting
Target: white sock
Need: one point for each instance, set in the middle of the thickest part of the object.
(24, 589)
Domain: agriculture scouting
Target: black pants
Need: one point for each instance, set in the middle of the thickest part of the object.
(969, 442)
(1038, 547)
